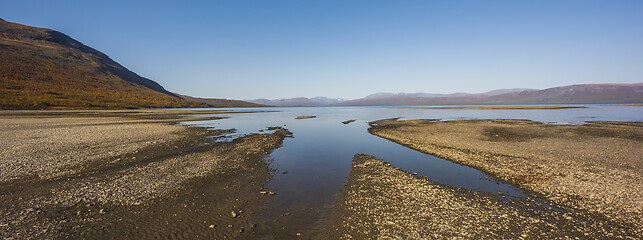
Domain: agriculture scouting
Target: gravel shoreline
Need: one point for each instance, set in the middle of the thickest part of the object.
(595, 168)
(45, 148)
(383, 202)
(136, 174)
(127, 174)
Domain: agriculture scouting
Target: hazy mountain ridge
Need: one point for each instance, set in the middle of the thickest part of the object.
(299, 102)
(435, 95)
(583, 93)
(385, 98)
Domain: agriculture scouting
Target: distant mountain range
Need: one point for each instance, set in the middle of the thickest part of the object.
(45, 69)
(585, 93)
(299, 102)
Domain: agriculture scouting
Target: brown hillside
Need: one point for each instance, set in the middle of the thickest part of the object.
(45, 69)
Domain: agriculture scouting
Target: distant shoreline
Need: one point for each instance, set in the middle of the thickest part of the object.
(499, 107)
(631, 104)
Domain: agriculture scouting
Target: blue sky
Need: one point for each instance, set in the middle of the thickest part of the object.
(349, 49)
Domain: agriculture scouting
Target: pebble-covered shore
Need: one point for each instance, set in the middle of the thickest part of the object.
(383, 202)
(595, 168)
(127, 174)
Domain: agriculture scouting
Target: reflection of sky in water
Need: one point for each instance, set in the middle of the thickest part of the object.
(318, 157)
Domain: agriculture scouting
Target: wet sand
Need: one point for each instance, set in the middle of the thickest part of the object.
(595, 170)
(127, 174)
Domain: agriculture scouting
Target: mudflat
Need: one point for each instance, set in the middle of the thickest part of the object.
(595, 170)
(127, 174)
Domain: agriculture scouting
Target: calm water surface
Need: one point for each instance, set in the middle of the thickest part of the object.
(317, 159)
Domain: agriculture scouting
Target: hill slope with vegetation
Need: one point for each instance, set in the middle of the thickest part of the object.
(45, 69)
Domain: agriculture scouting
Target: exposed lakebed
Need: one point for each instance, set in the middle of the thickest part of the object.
(311, 167)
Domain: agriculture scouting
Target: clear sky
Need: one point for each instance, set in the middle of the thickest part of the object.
(280, 49)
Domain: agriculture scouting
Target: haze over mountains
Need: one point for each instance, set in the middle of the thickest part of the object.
(299, 102)
(584, 93)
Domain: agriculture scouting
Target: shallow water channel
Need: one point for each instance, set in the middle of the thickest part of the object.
(312, 166)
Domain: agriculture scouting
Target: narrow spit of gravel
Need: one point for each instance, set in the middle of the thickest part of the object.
(380, 201)
(595, 168)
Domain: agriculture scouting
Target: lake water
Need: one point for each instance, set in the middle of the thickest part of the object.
(312, 166)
